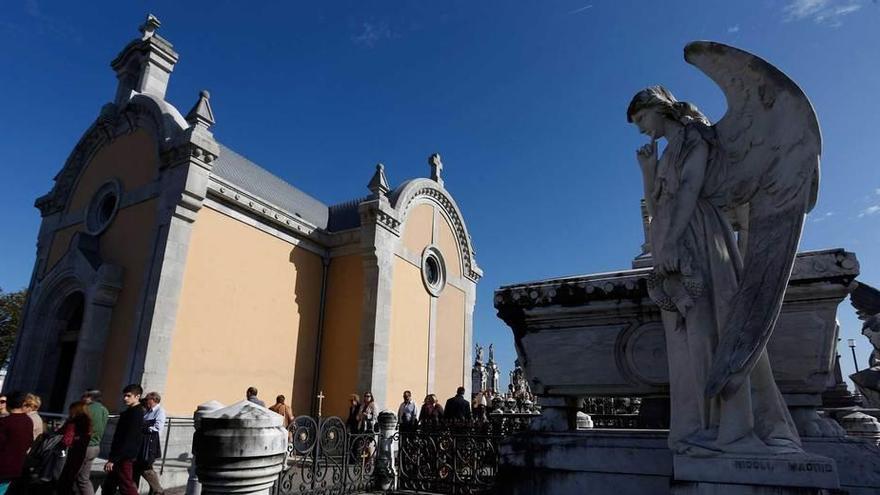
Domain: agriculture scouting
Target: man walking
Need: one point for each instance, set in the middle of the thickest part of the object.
(99, 415)
(154, 424)
(127, 440)
(407, 416)
(457, 408)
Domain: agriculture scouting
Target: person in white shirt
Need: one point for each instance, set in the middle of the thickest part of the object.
(154, 425)
(407, 413)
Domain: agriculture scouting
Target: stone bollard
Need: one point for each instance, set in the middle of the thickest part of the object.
(385, 469)
(584, 421)
(193, 487)
(239, 449)
(861, 425)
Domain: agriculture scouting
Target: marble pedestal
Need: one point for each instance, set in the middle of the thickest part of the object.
(601, 335)
(638, 462)
(754, 474)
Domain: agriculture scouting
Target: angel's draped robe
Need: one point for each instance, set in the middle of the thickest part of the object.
(755, 417)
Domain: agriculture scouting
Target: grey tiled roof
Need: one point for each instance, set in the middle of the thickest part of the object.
(344, 215)
(252, 178)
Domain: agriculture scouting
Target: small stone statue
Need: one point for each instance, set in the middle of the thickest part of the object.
(871, 329)
(491, 353)
(868, 380)
(479, 353)
(720, 304)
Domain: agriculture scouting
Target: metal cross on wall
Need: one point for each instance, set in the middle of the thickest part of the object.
(320, 398)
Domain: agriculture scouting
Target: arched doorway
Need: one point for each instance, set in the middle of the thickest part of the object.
(68, 322)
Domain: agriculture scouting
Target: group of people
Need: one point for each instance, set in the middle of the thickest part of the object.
(457, 410)
(280, 407)
(24, 444)
(363, 413)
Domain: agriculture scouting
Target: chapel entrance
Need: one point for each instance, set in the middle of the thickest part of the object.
(68, 321)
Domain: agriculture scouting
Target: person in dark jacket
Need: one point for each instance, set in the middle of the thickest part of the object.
(126, 445)
(457, 408)
(353, 410)
(16, 437)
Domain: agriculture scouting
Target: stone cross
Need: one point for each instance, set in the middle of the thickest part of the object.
(320, 398)
(151, 24)
(436, 168)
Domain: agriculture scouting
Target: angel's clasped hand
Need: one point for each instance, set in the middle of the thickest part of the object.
(647, 155)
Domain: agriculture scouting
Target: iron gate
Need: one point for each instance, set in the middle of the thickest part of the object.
(457, 458)
(324, 458)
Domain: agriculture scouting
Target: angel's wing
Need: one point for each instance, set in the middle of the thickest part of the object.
(866, 300)
(771, 142)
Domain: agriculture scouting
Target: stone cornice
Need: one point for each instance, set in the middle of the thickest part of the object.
(831, 265)
(231, 194)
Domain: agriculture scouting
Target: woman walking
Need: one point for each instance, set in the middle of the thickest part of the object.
(76, 433)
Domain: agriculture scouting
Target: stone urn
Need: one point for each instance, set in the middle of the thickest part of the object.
(239, 449)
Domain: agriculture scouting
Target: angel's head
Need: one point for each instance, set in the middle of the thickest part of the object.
(652, 107)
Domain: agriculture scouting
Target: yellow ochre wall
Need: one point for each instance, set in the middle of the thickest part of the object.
(248, 316)
(128, 241)
(343, 312)
(408, 348)
(410, 313)
(450, 327)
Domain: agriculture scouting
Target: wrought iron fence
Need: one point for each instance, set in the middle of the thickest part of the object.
(628, 412)
(324, 458)
(457, 458)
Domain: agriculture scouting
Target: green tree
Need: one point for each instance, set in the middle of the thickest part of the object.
(11, 307)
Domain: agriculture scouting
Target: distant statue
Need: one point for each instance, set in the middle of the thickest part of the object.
(871, 329)
(479, 352)
(868, 380)
(760, 162)
(491, 353)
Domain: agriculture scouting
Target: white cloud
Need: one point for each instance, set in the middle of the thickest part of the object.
(371, 33)
(871, 210)
(829, 12)
(824, 216)
(733, 29)
(581, 9)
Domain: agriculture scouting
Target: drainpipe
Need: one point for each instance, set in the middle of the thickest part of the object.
(325, 260)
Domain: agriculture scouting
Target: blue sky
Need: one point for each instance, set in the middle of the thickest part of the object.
(524, 100)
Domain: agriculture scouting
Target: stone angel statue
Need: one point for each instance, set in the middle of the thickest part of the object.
(760, 165)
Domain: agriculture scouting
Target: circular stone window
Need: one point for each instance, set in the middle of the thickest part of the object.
(433, 270)
(103, 207)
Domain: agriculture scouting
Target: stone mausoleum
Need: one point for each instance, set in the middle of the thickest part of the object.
(166, 258)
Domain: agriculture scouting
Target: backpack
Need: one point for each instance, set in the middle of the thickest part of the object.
(46, 459)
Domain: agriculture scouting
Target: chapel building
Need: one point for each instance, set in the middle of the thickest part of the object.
(166, 258)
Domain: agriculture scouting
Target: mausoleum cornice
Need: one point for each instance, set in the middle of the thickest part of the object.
(834, 268)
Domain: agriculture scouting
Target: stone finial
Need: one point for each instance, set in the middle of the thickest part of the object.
(201, 113)
(149, 27)
(436, 168)
(145, 64)
(379, 184)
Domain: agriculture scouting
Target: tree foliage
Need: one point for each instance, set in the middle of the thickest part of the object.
(11, 307)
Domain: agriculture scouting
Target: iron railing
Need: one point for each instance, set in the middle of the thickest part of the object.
(455, 458)
(324, 457)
